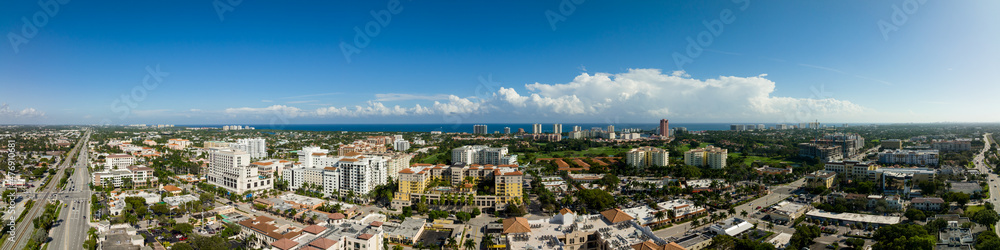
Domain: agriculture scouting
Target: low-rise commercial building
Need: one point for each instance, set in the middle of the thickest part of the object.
(787, 211)
(847, 219)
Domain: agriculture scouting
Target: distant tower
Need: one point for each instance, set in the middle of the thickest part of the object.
(506, 130)
(520, 130)
(479, 129)
(664, 128)
(611, 128)
(576, 128)
(557, 128)
(536, 128)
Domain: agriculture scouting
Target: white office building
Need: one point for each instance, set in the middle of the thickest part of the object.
(557, 128)
(118, 161)
(536, 128)
(231, 169)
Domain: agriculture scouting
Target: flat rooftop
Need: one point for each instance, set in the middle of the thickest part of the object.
(877, 219)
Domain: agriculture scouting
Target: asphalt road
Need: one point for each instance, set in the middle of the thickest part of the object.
(993, 181)
(778, 193)
(25, 228)
(71, 230)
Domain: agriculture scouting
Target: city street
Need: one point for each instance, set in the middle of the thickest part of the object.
(25, 227)
(777, 194)
(70, 232)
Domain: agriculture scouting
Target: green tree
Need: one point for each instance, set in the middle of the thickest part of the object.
(915, 215)
(986, 217)
(903, 236)
(855, 243)
(595, 199)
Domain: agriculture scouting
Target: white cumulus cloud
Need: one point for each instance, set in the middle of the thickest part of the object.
(636, 95)
(5, 111)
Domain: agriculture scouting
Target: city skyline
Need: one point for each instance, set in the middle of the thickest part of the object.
(547, 62)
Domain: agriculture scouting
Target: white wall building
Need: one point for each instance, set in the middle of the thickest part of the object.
(231, 169)
(647, 157)
(708, 156)
(256, 147)
(118, 161)
(482, 154)
(401, 145)
(913, 157)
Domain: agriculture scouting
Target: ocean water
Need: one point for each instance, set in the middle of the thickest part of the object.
(491, 127)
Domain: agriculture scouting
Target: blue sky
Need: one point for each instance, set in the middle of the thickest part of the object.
(479, 61)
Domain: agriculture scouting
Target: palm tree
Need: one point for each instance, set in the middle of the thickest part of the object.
(743, 213)
(659, 215)
(470, 244)
(452, 243)
(671, 214)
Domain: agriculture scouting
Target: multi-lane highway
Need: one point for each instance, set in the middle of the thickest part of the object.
(71, 230)
(24, 228)
(993, 180)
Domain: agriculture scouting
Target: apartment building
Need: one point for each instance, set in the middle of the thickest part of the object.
(316, 157)
(482, 154)
(359, 173)
(821, 178)
(216, 144)
(711, 156)
(854, 169)
(892, 144)
(664, 128)
(850, 144)
(178, 144)
(907, 156)
(256, 147)
(507, 184)
(272, 167)
(479, 129)
(401, 145)
(952, 145)
(823, 152)
(647, 157)
(536, 128)
(231, 169)
(929, 203)
(301, 177)
(397, 162)
(557, 128)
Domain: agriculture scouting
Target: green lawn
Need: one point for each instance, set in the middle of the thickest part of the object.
(600, 151)
(434, 158)
(751, 159)
(970, 210)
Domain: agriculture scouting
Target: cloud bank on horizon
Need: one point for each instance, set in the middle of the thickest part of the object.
(635, 95)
